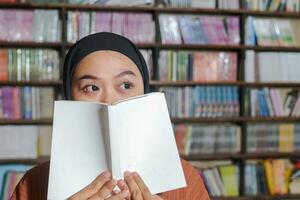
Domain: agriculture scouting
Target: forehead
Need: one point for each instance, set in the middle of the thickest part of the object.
(105, 61)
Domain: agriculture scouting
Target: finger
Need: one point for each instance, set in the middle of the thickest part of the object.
(134, 189)
(105, 191)
(93, 187)
(123, 186)
(124, 194)
(141, 184)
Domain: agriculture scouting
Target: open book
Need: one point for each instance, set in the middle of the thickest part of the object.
(130, 135)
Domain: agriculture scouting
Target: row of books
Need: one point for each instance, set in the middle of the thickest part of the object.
(272, 31)
(278, 102)
(29, 65)
(275, 177)
(139, 27)
(272, 67)
(148, 56)
(30, 25)
(10, 175)
(273, 5)
(113, 2)
(204, 66)
(221, 4)
(202, 101)
(222, 180)
(25, 141)
(26, 102)
(196, 29)
(282, 137)
(202, 139)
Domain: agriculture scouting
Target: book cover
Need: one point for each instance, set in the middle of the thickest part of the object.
(112, 137)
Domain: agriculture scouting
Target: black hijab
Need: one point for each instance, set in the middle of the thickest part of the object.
(97, 42)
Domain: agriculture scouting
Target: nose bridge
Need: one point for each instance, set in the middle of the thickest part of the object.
(108, 96)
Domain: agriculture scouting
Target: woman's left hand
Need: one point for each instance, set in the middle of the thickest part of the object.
(137, 187)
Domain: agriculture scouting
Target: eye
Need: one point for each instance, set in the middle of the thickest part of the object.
(90, 88)
(126, 85)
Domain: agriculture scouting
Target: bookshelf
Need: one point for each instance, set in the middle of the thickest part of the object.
(156, 47)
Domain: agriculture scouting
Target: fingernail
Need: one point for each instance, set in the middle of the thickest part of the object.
(126, 173)
(121, 183)
(106, 174)
(135, 174)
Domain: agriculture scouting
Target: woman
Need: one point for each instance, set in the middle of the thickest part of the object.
(105, 67)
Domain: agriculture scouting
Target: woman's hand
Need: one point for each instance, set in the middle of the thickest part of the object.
(138, 189)
(101, 188)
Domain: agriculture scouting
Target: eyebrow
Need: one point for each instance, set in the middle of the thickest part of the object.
(124, 73)
(88, 76)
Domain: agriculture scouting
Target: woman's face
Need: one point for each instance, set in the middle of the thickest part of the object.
(106, 77)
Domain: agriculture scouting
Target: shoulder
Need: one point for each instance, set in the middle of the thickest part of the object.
(195, 189)
(34, 184)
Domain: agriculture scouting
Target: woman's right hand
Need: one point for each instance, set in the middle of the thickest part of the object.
(101, 188)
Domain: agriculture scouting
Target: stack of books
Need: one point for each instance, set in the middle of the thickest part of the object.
(272, 32)
(202, 139)
(275, 177)
(26, 102)
(272, 67)
(221, 4)
(30, 25)
(205, 66)
(199, 29)
(273, 137)
(138, 27)
(273, 5)
(25, 142)
(29, 65)
(272, 102)
(202, 101)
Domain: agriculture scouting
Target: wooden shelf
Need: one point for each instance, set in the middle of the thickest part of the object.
(201, 47)
(234, 119)
(26, 122)
(260, 197)
(25, 161)
(236, 83)
(273, 48)
(31, 83)
(21, 44)
(141, 45)
(145, 8)
(240, 156)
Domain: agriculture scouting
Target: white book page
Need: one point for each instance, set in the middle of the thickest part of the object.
(146, 142)
(78, 147)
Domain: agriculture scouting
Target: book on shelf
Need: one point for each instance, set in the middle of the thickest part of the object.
(202, 101)
(29, 65)
(199, 29)
(273, 5)
(114, 141)
(221, 178)
(26, 102)
(203, 139)
(280, 137)
(272, 67)
(273, 177)
(204, 66)
(212, 4)
(114, 2)
(273, 102)
(10, 174)
(24, 141)
(30, 25)
(272, 32)
(10, 181)
(138, 27)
